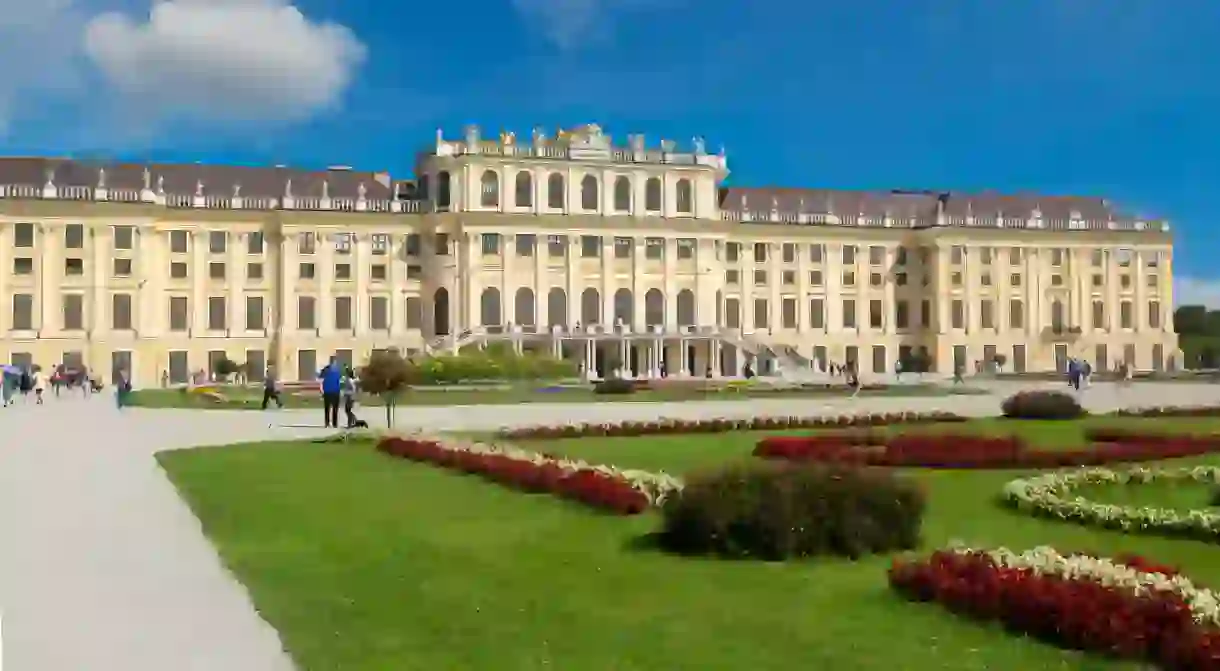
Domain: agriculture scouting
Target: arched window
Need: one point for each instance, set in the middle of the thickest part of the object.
(557, 307)
(440, 312)
(624, 307)
(489, 307)
(443, 190)
(554, 191)
(523, 307)
(686, 308)
(490, 183)
(523, 195)
(590, 307)
(654, 308)
(588, 194)
(422, 193)
(683, 197)
(652, 194)
(622, 194)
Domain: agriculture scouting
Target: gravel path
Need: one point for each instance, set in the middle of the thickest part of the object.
(103, 567)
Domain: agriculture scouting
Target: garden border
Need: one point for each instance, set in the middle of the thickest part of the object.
(1050, 495)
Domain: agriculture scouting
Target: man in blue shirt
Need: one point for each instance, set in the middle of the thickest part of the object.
(332, 387)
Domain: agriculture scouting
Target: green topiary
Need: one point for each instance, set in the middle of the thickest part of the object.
(775, 512)
(1042, 405)
(614, 386)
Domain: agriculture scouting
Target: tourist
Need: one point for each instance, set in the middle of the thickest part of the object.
(271, 388)
(11, 379)
(1074, 373)
(122, 387)
(1086, 373)
(38, 382)
(331, 378)
(348, 391)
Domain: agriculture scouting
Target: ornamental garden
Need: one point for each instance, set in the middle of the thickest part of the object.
(1043, 538)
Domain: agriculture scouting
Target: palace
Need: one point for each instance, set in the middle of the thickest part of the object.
(631, 258)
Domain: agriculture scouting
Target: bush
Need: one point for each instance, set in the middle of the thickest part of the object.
(490, 365)
(774, 512)
(614, 386)
(1215, 502)
(1042, 405)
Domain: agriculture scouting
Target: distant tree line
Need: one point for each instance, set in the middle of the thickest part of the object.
(1199, 335)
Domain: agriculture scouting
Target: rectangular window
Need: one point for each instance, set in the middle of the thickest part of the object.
(179, 314)
(590, 246)
(957, 254)
(1154, 314)
(849, 314)
(732, 252)
(986, 316)
(343, 313)
(1056, 257)
(217, 314)
(875, 317)
(1099, 315)
(378, 272)
(23, 312)
(217, 242)
(815, 278)
(849, 255)
(441, 244)
(732, 313)
(685, 249)
(124, 237)
(307, 318)
(23, 235)
(177, 270)
(120, 312)
(760, 278)
(255, 243)
(788, 277)
(762, 317)
(343, 271)
(379, 313)
(490, 243)
(74, 267)
(74, 236)
(381, 244)
(788, 313)
(876, 255)
(256, 365)
(958, 315)
(902, 315)
(817, 253)
(306, 271)
(817, 314)
(254, 313)
(179, 367)
(307, 243)
(789, 252)
(732, 277)
(122, 267)
(307, 365)
(415, 313)
(254, 271)
(623, 248)
(216, 271)
(654, 248)
(1124, 315)
(525, 243)
(74, 312)
(760, 252)
(879, 359)
(557, 246)
(413, 244)
(23, 265)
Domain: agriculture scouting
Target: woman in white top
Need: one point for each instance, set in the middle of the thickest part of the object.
(39, 384)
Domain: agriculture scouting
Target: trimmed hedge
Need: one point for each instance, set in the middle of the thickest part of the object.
(614, 386)
(774, 512)
(1042, 405)
(489, 365)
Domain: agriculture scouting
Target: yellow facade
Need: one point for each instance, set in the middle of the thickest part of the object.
(164, 290)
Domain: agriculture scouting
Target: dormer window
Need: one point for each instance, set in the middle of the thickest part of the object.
(589, 194)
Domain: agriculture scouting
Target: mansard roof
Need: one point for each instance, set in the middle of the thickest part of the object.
(186, 178)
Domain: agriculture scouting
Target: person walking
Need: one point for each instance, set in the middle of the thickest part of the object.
(271, 389)
(331, 378)
(122, 387)
(348, 390)
(38, 381)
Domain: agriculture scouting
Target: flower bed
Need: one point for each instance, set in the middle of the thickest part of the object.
(678, 426)
(1118, 608)
(626, 492)
(1051, 495)
(965, 451)
(1171, 411)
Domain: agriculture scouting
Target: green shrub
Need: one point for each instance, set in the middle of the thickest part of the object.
(778, 511)
(1215, 502)
(1042, 405)
(490, 365)
(614, 386)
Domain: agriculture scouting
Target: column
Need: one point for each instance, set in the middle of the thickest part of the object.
(638, 288)
(508, 288)
(944, 300)
(1033, 309)
(542, 291)
(890, 302)
(833, 280)
(396, 278)
(669, 285)
(97, 323)
(49, 263)
(970, 267)
(775, 312)
(1112, 301)
(682, 367)
(362, 253)
(608, 282)
(6, 265)
(199, 278)
(326, 282)
(151, 269)
(471, 274)
(235, 281)
(1165, 290)
(1141, 291)
(287, 320)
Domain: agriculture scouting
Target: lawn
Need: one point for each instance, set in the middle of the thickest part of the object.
(239, 398)
(362, 561)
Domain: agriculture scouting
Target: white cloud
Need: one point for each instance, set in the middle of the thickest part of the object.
(570, 24)
(237, 60)
(1196, 291)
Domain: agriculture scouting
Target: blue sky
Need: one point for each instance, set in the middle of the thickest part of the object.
(1064, 96)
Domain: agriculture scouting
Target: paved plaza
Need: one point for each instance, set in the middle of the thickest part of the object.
(103, 567)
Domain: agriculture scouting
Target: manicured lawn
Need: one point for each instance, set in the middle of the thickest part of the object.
(251, 399)
(362, 561)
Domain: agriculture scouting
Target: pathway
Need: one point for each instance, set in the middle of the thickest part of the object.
(103, 567)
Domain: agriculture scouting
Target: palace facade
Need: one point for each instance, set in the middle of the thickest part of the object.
(630, 258)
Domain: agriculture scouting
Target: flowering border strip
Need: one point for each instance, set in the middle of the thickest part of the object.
(1050, 495)
(1170, 411)
(1126, 608)
(723, 425)
(626, 492)
(947, 451)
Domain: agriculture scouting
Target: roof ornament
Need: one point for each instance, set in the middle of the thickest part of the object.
(440, 135)
(101, 178)
(361, 191)
(801, 206)
(288, 188)
(50, 178)
(700, 146)
(199, 188)
(325, 190)
(774, 204)
(745, 202)
(237, 190)
(161, 185)
(147, 179)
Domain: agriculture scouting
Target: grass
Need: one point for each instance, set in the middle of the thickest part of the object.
(366, 562)
(236, 398)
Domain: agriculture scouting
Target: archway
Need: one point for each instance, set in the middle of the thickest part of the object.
(440, 311)
(523, 307)
(624, 307)
(686, 308)
(557, 307)
(490, 311)
(590, 307)
(654, 308)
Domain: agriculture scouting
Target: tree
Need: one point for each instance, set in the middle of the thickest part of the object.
(225, 367)
(387, 375)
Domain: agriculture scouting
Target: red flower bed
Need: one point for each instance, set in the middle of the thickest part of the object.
(1171, 411)
(946, 451)
(1075, 614)
(681, 426)
(586, 486)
